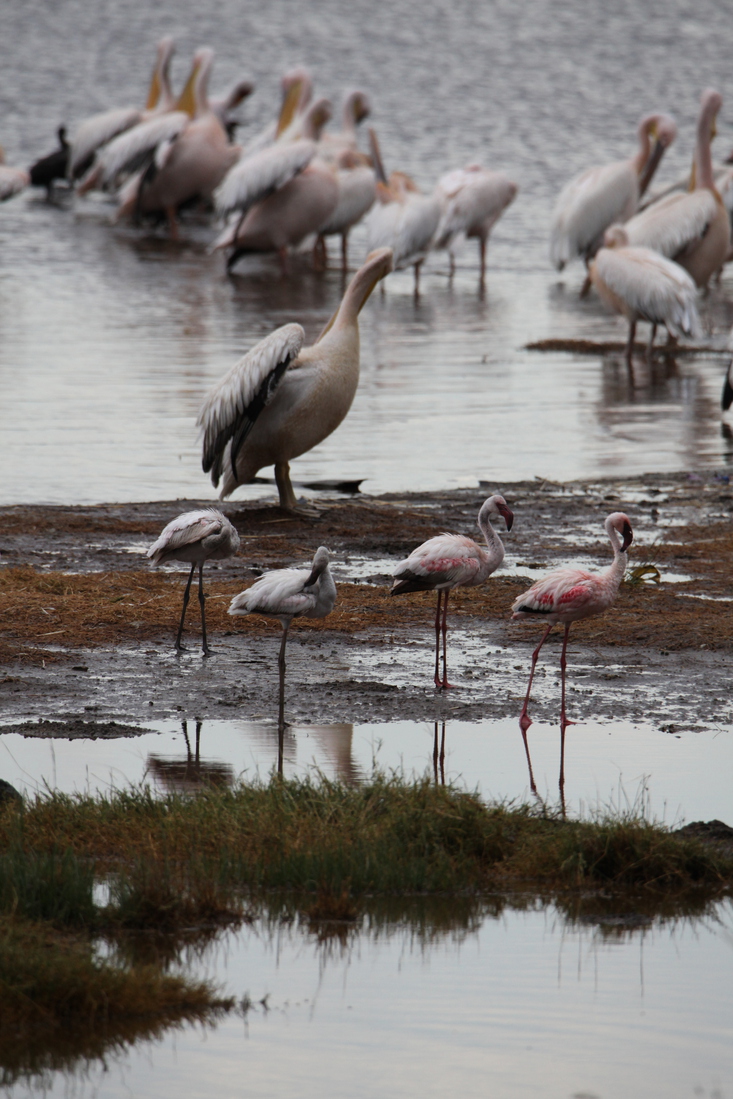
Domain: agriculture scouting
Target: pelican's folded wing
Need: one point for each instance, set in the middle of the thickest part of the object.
(233, 405)
(97, 131)
(254, 177)
(134, 147)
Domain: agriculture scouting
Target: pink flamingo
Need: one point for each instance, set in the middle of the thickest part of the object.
(449, 561)
(569, 594)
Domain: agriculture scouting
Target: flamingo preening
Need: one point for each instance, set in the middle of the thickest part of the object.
(282, 399)
(599, 196)
(287, 594)
(567, 595)
(195, 536)
(450, 561)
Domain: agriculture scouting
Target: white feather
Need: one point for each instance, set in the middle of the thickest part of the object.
(672, 223)
(255, 176)
(587, 205)
(653, 288)
(407, 227)
(357, 189)
(234, 392)
(126, 151)
(97, 131)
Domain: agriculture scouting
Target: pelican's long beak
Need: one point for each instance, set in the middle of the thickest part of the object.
(289, 107)
(377, 157)
(651, 165)
(693, 177)
(186, 100)
(154, 93)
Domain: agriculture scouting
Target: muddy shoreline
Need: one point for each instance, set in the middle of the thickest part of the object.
(87, 627)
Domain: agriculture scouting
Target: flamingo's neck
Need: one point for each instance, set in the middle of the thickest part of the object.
(494, 543)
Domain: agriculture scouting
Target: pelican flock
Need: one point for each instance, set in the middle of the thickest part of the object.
(293, 185)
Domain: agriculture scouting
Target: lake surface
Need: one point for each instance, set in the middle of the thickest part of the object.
(110, 337)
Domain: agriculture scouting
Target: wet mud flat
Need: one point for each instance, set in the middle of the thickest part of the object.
(87, 627)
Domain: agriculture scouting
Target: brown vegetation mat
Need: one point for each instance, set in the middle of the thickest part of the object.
(42, 610)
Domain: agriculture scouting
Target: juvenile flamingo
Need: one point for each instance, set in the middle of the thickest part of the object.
(569, 594)
(449, 561)
(287, 594)
(195, 536)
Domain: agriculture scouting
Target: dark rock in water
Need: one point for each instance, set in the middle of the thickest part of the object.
(8, 792)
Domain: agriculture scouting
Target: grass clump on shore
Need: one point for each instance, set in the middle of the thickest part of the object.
(178, 858)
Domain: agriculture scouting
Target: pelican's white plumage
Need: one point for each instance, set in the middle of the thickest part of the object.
(472, 199)
(130, 149)
(643, 285)
(404, 220)
(258, 175)
(692, 228)
(599, 196)
(12, 180)
(282, 399)
(99, 129)
(357, 190)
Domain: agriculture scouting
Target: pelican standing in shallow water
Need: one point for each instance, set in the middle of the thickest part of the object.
(473, 199)
(282, 399)
(596, 198)
(693, 229)
(195, 536)
(450, 561)
(642, 285)
(567, 595)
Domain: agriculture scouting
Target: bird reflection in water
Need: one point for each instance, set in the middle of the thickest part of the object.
(186, 775)
(439, 755)
(561, 779)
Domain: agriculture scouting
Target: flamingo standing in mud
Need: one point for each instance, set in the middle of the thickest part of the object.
(567, 595)
(195, 536)
(449, 561)
(287, 594)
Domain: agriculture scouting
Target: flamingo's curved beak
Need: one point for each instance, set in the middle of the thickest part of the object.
(507, 514)
(628, 536)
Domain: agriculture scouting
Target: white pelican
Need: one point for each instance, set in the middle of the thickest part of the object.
(642, 285)
(282, 399)
(357, 190)
(599, 196)
(296, 93)
(726, 399)
(292, 209)
(693, 229)
(195, 536)
(402, 218)
(356, 108)
(191, 161)
(100, 128)
(12, 180)
(473, 199)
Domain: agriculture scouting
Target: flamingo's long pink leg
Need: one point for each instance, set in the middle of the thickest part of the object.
(563, 664)
(445, 682)
(524, 720)
(436, 677)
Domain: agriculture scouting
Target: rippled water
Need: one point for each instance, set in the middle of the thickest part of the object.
(109, 338)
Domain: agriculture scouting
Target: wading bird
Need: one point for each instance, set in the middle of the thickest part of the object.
(596, 198)
(12, 180)
(287, 594)
(694, 228)
(45, 171)
(195, 536)
(641, 284)
(567, 595)
(282, 399)
(450, 561)
(473, 199)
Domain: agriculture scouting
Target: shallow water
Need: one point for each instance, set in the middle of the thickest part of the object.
(673, 776)
(109, 338)
(461, 1002)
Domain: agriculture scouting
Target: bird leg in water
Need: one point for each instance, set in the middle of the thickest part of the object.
(178, 645)
(482, 259)
(283, 643)
(563, 664)
(202, 604)
(441, 626)
(650, 345)
(284, 487)
(524, 720)
(630, 342)
(418, 265)
(345, 251)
